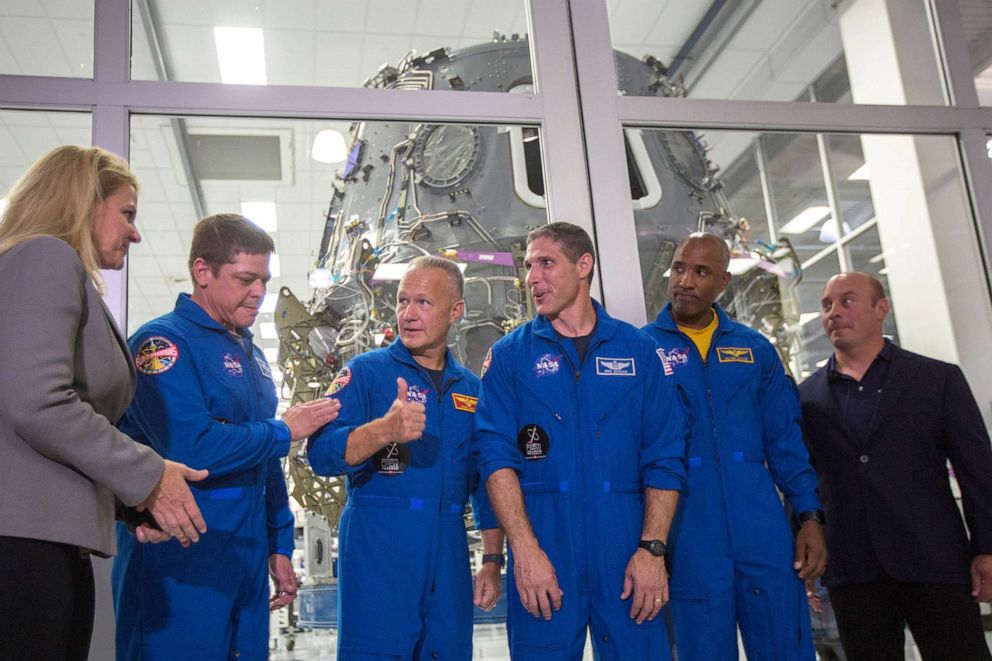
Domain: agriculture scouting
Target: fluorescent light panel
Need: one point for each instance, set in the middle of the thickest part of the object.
(240, 55)
(805, 220)
(262, 214)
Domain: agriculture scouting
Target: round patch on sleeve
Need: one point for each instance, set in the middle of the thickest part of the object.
(156, 355)
(340, 381)
(533, 442)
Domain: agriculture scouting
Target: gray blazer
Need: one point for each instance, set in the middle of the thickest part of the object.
(65, 379)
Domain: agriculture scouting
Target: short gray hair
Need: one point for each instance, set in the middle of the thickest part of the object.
(450, 268)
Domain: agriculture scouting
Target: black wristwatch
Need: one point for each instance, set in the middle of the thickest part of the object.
(812, 515)
(655, 547)
(493, 557)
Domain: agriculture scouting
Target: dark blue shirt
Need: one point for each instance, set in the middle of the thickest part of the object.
(857, 401)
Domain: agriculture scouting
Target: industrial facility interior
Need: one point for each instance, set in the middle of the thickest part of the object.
(816, 136)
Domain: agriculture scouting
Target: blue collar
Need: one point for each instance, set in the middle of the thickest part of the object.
(400, 353)
(606, 326)
(190, 310)
(666, 321)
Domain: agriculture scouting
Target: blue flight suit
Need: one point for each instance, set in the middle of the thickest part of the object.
(205, 398)
(404, 577)
(731, 547)
(585, 438)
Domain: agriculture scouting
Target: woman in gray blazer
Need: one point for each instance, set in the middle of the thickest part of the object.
(65, 379)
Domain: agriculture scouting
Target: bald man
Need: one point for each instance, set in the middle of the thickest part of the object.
(881, 423)
(734, 562)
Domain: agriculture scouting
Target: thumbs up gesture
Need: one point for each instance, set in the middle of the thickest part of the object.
(406, 420)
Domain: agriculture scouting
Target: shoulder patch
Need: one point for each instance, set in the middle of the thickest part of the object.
(464, 402)
(487, 362)
(664, 362)
(734, 355)
(340, 381)
(156, 355)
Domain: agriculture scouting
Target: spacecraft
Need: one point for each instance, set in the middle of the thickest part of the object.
(473, 193)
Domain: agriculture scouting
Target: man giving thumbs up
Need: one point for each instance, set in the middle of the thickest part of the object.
(403, 569)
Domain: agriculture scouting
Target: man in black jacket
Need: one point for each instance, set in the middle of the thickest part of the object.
(881, 424)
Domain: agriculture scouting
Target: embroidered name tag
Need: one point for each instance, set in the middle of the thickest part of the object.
(734, 355)
(615, 366)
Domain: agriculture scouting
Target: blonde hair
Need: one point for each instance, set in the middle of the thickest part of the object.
(57, 197)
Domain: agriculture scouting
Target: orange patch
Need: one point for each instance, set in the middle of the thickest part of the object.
(464, 402)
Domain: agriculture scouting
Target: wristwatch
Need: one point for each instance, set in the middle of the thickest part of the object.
(655, 547)
(812, 515)
(493, 557)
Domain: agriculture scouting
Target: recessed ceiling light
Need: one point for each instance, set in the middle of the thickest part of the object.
(240, 55)
(805, 220)
(329, 147)
(262, 214)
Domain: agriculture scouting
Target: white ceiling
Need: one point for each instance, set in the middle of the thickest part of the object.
(782, 46)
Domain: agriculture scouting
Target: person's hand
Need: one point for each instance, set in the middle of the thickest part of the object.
(812, 597)
(172, 505)
(487, 587)
(981, 578)
(405, 420)
(306, 418)
(284, 578)
(647, 580)
(146, 534)
(537, 584)
(811, 551)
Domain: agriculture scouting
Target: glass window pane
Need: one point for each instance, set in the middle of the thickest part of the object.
(904, 215)
(426, 44)
(27, 135)
(868, 256)
(383, 193)
(777, 50)
(40, 38)
(976, 19)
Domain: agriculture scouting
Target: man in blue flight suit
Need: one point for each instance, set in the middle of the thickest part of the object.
(733, 559)
(205, 395)
(404, 441)
(581, 438)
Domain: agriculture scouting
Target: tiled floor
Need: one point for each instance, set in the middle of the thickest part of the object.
(490, 645)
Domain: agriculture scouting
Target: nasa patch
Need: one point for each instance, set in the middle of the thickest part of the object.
(734, 355)
(340, 381)
(232, 365)
(415, 393)
(392, 459)
(533, 442)
(156, 355)
(673, 358)
(615, 366)
(547, 365)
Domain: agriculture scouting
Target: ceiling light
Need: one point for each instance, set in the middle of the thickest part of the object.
(741, 265)
(861, 174)
(262, 214)
(329, 147)
(274, 269)
(271, 354)
(267, 329)
(805, 220)
(241, 55)
(320, 278)
(268, 304)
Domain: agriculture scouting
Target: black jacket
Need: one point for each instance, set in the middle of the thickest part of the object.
(890, 498)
